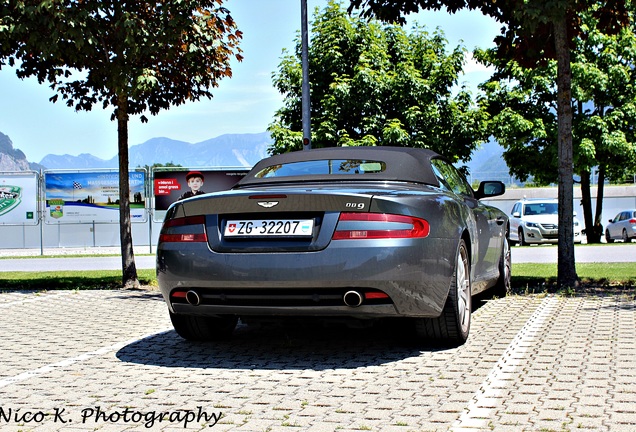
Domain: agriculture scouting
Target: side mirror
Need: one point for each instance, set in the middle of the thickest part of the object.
(489, 189)
(516, 214)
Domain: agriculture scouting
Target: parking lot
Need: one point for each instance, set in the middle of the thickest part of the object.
(109, 361)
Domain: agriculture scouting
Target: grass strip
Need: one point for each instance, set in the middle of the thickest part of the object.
(533, 277)
(60, 280)
(526, 277)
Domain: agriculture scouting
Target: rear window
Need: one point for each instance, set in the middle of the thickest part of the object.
(323, 167)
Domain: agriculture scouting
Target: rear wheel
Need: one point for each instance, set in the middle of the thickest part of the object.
(626, 238)
(502, 288)
(202, 328)
(453, 325)
(608, 238)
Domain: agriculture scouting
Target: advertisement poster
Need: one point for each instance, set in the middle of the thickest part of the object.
(18, 198)
(171, 186)
(81, 197)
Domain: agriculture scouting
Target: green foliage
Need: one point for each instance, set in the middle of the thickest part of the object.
(376, 84)
(154, 55)
(170, 164)
(528, 27)
(533, 33)
(522, 105)
(135, 57)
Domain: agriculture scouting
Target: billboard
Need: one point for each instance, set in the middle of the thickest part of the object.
(173, 185)
(91, 196)
(19, 198)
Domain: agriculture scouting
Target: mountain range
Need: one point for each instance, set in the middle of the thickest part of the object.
(231, 150)
(13, 159)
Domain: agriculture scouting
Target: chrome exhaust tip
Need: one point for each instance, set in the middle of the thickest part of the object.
(193, 298)
(352, 299)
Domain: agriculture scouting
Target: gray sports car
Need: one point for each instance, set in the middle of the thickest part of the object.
(361, 233)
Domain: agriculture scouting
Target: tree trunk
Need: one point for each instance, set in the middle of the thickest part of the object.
(586, 202)
(600, 194)
(566, 267)
(129, 269)
(593, 226)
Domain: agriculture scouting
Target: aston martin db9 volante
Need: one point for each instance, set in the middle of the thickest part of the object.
(348, 233)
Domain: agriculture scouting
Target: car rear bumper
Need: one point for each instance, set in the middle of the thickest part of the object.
(414, 274)
(363, 311)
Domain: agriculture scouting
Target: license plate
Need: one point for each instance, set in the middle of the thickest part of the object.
(554, 232)
(269, 228)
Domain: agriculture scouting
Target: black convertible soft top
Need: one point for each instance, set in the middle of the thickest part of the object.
(402, 164)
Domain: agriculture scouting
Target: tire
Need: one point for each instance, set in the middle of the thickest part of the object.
(202, 328)
(522, 239)
(608, 238)
(626, 238)
(502, 287)
(453, 325)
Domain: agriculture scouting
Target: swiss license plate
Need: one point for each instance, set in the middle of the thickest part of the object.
(269, 228)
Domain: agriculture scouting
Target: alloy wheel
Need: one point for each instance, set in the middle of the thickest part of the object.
(463, 289)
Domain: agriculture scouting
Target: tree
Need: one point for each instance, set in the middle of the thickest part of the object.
(533, 33)
(522, 105)
(374, 84)
(150, 168)
(134, 56)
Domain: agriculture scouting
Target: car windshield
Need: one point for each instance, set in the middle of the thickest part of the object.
(323, 167)
(540, 209)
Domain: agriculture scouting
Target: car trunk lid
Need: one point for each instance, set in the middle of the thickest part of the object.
(265, 221)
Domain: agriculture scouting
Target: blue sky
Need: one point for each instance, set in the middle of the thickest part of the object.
(243, 104)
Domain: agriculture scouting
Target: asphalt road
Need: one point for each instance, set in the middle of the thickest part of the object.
(621, 252)
(45, 264)
(537, 254)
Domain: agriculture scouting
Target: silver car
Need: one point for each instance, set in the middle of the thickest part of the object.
(347, 233)
(622, 227)
(537, 221)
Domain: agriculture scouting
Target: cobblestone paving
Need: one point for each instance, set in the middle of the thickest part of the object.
(109, 361)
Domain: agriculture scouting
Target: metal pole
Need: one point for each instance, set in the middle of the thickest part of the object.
(150, 231)
(41, 208)
(306, 112)
(42, 237)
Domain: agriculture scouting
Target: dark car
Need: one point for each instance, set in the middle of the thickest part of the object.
(360, 233)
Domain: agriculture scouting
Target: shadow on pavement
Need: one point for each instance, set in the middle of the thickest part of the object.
(281, 348)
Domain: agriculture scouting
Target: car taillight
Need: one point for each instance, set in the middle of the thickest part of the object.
(632, 221)
(379, 226)
(186, 229)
